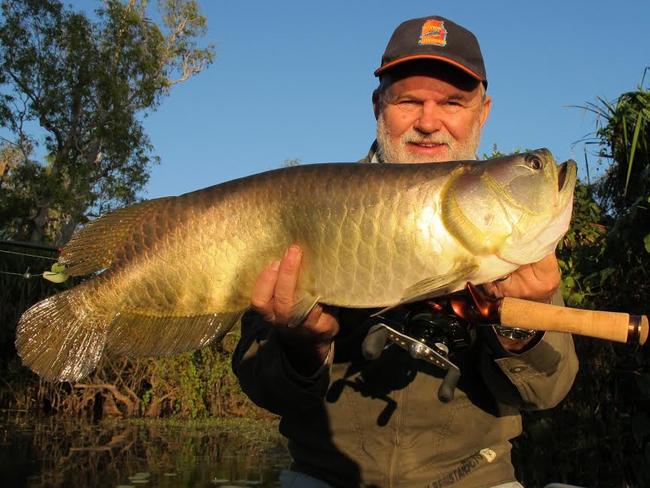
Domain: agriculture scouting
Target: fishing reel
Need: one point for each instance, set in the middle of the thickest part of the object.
(434, 331)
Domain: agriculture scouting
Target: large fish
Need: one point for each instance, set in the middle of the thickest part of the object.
(173, 274)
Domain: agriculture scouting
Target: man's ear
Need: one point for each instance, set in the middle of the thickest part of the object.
(376, 102)
(485, 110)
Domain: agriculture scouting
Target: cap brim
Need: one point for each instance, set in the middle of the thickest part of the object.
(458, 65)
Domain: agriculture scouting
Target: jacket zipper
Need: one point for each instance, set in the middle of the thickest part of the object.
(394, 460)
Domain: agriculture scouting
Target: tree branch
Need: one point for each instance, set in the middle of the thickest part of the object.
(130, 403)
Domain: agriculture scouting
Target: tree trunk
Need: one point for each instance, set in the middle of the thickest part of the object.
(109, 407)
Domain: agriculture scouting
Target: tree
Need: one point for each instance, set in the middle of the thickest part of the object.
(604, 265)
(72, 94)
(623, 137)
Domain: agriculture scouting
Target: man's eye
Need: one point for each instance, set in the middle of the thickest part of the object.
(409, 105)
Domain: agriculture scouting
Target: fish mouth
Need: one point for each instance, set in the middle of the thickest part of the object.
(565, 171)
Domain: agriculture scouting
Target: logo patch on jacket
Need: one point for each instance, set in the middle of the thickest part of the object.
(433, 33)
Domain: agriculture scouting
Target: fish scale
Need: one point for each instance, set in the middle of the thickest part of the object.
(173, 274)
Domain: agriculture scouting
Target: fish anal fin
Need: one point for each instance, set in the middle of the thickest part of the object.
(93, 247)
(435, 286)
(59, 340)
(136, 334)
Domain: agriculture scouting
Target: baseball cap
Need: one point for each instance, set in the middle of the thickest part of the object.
(435, 38)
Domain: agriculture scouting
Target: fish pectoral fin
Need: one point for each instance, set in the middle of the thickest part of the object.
(301, 309)
(137, 334)
(435, 286)
(439, 285)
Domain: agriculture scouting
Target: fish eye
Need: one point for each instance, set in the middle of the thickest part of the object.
(534, 162)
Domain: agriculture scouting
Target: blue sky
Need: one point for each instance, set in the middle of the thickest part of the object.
(293, 79)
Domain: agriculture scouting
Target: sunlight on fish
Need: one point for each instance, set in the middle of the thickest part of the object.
(174, 274)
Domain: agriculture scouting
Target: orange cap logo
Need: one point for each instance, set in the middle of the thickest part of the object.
(433, 33)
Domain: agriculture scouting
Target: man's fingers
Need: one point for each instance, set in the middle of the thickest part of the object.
(273, 293)
(262, 296)
(547, 269)
(286, 285)
(535, 281)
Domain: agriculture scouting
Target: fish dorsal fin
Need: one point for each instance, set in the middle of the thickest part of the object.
(436, 286)
(93, 247)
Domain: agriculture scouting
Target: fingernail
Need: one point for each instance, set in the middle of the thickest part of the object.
(292, 250)
(275, 265)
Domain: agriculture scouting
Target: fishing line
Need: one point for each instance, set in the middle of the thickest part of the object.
(27, 275)
(28, 255)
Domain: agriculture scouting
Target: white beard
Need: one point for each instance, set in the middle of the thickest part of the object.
(389, 153)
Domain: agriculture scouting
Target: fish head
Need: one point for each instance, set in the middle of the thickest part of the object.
(517, 207)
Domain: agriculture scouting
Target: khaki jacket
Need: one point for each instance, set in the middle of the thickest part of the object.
(380, 424)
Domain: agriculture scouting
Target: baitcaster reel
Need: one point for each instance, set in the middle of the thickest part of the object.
(431, 331)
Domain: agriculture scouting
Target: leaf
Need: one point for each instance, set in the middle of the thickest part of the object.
(635, 139)
(646, 242)
(577, 298)
(605, 274)
(55, 277)
(58, 268)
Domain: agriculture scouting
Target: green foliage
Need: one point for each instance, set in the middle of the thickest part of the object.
(600, 435)
(75, 91)
(195, 384)
(623, 138)
(495, 152)
(192, 385)
(291, 162)
(623, 193)
(580, 252)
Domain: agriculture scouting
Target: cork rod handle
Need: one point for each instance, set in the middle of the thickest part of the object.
(613, 326)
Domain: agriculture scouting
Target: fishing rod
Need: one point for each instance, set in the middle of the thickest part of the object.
(435, 330)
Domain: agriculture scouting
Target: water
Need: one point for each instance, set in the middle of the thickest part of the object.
(36, 452)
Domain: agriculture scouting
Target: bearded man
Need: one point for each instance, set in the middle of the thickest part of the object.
(350, 421)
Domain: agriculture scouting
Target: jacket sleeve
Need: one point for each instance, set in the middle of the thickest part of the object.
(536, 379)
(266, 375)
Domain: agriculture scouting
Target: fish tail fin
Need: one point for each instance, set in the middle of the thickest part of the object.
(59, 338)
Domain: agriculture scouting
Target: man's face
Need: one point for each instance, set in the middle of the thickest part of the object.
(429, 115)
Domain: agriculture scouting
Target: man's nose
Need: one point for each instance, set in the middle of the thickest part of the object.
(430, 118)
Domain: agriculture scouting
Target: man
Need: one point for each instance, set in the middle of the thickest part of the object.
(354, 422)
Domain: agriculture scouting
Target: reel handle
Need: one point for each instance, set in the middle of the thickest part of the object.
(446, 389)
(374, 342)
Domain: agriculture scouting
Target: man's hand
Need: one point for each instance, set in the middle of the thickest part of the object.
(537, 281)
(273, 297)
